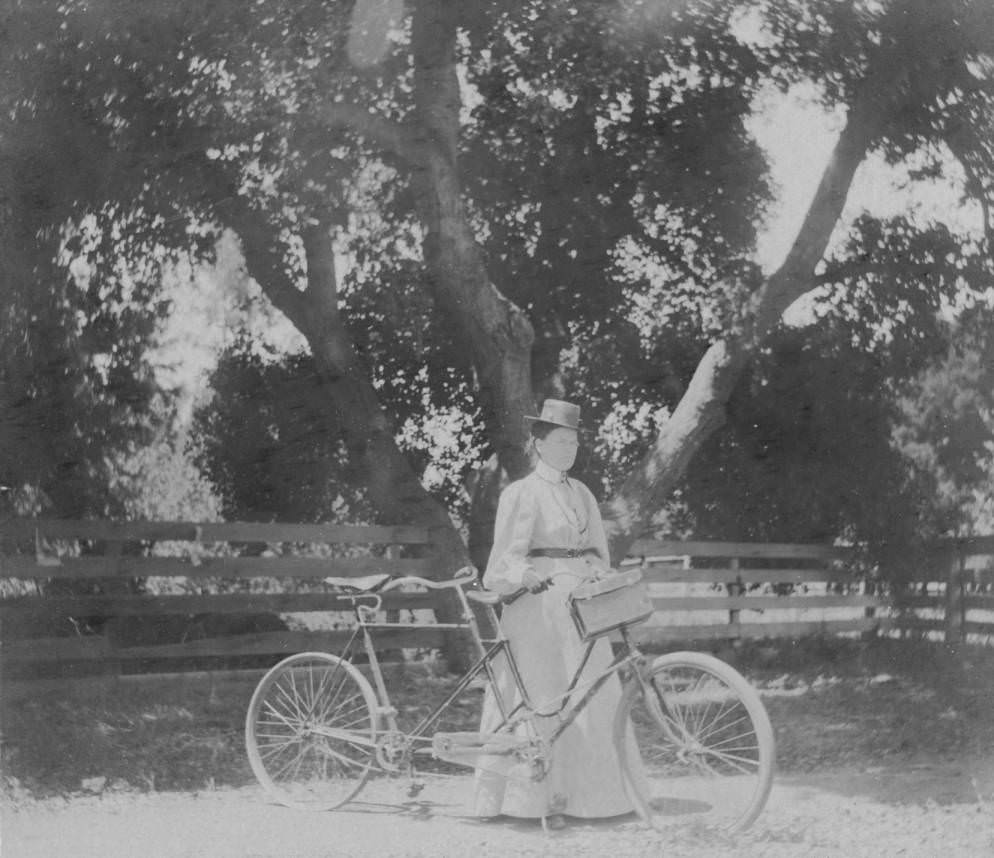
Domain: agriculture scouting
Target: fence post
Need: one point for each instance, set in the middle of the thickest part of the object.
(955, 612)
(736, 588)
(392, 614)
(870, 612)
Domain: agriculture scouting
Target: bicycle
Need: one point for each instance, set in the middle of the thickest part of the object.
(316, 730)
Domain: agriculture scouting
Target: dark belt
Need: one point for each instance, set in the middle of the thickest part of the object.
(561, 552)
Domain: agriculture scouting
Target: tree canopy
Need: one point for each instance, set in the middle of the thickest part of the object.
(464, 207)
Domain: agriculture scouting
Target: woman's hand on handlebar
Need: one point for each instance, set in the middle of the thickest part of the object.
(533, 582)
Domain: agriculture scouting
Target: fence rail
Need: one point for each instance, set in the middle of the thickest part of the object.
(209, 592)
(952, 598)
(731, 590)
(72, 603)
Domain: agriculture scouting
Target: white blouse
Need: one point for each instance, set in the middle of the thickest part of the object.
(546, 509)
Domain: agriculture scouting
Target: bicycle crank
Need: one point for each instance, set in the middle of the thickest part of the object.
(463, 747)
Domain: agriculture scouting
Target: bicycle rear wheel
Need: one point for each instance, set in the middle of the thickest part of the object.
(700, 750)
(310, 731)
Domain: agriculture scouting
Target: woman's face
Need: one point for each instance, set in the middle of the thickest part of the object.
(558, 448)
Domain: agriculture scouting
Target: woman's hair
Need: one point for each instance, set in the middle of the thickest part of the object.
(540, 430)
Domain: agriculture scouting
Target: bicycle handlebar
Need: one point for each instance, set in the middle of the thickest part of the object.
(463, 578)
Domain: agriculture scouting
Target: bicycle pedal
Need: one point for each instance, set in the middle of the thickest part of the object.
(415, 788)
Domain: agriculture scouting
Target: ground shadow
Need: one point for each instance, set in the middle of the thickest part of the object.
(911, 783)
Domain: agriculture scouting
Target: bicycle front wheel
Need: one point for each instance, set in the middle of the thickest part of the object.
(310, 731)
(695, 744)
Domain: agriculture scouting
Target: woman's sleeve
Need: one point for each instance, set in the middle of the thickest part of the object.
(595, 531)
(513, 528)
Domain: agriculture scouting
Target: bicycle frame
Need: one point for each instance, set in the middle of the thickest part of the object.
(367, 605)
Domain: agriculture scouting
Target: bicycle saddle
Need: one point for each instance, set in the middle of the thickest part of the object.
(363, 584)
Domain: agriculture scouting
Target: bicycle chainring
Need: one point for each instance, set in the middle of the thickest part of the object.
(535, 755)
(393, 751)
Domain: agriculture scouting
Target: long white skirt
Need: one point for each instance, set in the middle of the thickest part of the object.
(584, 779)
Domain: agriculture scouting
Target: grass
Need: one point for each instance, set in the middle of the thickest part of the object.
(834, 703)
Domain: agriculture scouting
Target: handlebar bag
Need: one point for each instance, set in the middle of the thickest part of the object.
(599, 607)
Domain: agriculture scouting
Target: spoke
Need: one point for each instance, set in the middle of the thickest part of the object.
(280, 738)
(332, 703)
(736, 762)
(709, 694)
(359, 738)
(275, 748)
(658, 757)
(359, 743)
(342, 712)
(678, 709)
(310, 685)
(360, 724)
(655, 748)
(279, 709)
(362, 719)
(678, 713)
(716, 729)
(292, 702)
(277, 775)
(335, 691)
(699, 685)
(676, 725)
(281, 718)
(738, 737)
(299, 764)
(715, 722)
(744, 755)
(299, 702)
(275, 728)
(328, 677)
(325, 686)
(730, 754)
(331, 752)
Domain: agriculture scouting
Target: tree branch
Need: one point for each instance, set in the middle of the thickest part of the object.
(701, 410)
(264, 263)
(497, 334)
(395, 137)
(794, 278)
(328, 329)
(974, 187)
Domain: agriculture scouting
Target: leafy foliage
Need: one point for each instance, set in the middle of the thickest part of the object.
(269, 449)
(615, 193)
(947, 424)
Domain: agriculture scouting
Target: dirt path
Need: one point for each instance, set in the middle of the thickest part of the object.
(917, 811)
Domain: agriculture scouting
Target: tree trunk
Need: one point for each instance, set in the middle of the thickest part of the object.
(393, 486)
(497, 334)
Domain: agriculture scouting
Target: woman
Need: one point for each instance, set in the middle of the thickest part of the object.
(549, 537)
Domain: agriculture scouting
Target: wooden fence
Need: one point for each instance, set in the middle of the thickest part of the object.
(951, 596)
(72, 602)
(708, 590)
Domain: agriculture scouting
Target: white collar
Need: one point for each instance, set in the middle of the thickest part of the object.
(547, 472)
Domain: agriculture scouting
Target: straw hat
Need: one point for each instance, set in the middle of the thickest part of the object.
(558, 413)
